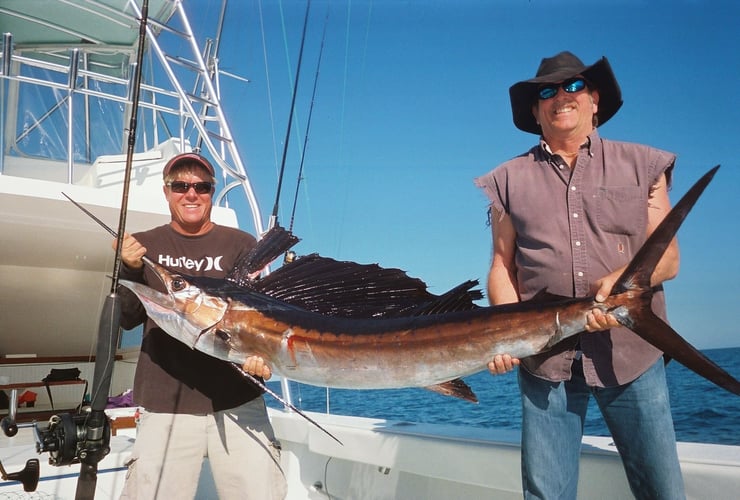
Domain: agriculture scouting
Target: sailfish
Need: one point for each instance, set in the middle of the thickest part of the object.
(346, 325)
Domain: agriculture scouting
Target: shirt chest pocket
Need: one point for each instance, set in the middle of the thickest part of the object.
(621, 209)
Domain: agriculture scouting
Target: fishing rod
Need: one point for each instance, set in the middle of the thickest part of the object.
(245, 374)
(308, 123)
(85, 437)
(274, 216)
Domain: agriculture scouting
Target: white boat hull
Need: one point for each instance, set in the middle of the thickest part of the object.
(382, 459)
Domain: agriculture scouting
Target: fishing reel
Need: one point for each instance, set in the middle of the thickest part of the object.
(70, 439)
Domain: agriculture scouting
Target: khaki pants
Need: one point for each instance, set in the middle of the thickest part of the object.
(239, 443)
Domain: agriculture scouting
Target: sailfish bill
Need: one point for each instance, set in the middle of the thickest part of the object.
(346, 325)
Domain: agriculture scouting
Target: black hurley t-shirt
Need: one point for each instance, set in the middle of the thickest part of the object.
(170, 376)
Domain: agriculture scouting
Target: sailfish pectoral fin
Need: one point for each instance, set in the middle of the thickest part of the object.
(656, 331)
(455, 388)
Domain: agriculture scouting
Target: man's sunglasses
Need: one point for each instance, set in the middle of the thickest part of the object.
(183, 187)
(570, 86)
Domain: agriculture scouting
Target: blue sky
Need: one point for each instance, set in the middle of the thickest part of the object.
(412, 104)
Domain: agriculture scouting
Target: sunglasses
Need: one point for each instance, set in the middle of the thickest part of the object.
(570, 86)
(182, 187)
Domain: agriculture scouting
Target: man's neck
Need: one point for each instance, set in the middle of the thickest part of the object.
(566, 147)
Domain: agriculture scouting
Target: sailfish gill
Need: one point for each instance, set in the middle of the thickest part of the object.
(346, 325)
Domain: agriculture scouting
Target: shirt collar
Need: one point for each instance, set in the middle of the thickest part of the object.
(587, 144)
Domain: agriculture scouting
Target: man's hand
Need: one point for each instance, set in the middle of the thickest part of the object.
(255, 365)
(131, 251)
(597, 320)
(502, 363)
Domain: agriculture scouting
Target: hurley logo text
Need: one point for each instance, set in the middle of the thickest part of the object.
(205, 264)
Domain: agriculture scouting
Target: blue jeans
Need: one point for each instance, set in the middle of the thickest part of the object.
(637, 414)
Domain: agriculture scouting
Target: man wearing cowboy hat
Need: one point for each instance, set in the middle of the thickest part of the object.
(567, 216)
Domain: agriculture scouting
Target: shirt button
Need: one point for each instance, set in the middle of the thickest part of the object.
(575, 216)
(580, 274)
(578, 243)
(572, 188)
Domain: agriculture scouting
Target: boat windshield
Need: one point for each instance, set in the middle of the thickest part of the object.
(45, 112)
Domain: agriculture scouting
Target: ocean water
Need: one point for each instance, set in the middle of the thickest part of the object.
(702, 412)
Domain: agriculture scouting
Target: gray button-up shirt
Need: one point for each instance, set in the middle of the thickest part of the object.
(573, 227)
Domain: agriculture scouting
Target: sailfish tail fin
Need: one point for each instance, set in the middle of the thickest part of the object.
(656, 331)
(636, 277)
(638, 272)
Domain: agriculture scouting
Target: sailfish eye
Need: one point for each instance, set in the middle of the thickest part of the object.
(179, 284)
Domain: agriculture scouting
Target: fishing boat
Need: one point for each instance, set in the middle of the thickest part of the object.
(67, 74)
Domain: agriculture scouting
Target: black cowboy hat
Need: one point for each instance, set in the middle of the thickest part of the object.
(556, 69)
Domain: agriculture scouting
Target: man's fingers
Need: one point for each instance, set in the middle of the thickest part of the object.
(502, 363)
(256, 366)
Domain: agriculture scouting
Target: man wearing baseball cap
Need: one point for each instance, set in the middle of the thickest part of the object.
(193, 405)
(567, 216)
